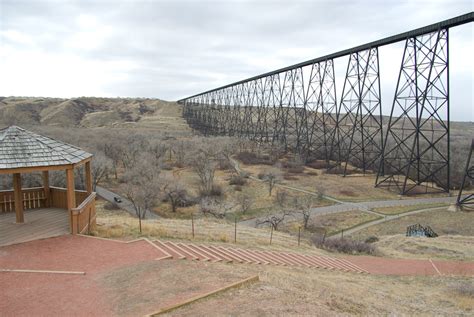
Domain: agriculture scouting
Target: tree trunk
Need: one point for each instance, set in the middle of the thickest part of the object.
(140, 223)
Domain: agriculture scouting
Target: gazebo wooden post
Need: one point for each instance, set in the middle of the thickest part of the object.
(88, 172)
(18, 197)
(71, 197)
(47, 194)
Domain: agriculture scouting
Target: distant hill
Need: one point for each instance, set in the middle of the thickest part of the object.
(91, 112)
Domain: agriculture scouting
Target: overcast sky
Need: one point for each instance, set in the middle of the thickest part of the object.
(173, 49)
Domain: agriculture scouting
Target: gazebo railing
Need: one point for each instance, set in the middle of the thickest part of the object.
(34, 198)
(83, 215)
(59, 197)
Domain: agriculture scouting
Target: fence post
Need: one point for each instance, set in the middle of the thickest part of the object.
(271, 235)
(235, 229)
(192, 223)
(342, 234)
(299, 235)
(89, 222)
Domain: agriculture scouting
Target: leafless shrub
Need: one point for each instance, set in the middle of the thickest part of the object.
(282, 197)
(303, 205)
(175, 193)
(245, 202)
(274, 220)
(251, 158)
(111, 206)
(371, 239)
(344, 245)
(463, 288)
(212, 207)
(237, 180)
(272, 177)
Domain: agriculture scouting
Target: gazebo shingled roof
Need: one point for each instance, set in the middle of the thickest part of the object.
(22, 148)
(22, 151)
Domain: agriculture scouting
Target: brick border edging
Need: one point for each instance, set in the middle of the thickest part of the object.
(240, 283)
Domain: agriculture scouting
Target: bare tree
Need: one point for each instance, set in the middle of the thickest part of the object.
(180, 148)
(320, 192)
(282, 198)
(113, 150)
(272, 177)
(245, 202)
(274, 220)
(175, 193)
(100, 167)
(205, 167)
(141, 187)
(303, 205)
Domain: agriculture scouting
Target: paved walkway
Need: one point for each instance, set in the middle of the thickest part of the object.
(125, 204)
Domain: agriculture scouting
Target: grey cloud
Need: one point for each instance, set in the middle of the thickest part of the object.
(183, 47)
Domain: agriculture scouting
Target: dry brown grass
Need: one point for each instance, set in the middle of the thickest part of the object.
(306, 292)
(351, 188)
(444, 247)
(455, 241)
(329, 224)
(403, 209)
(119, 224)
(443, 222)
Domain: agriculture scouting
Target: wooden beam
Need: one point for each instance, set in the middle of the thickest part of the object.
(88, 172)
(24, 170)
(18, 198)
(47, 192)
(71, 195)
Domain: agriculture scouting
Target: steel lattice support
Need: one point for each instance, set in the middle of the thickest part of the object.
(296, 107)
(467, 202)
(359, 117)
(320, 104)
(416, 147)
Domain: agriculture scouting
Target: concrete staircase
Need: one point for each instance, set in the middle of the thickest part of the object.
(210, 253)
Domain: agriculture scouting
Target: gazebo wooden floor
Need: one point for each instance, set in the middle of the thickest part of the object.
(39, 224)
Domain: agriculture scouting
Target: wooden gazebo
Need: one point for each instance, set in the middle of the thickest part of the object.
(23, 151)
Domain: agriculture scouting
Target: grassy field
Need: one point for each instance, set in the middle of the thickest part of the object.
(300, 291)
(330, 223)
(306, 292)
(121, 225)
(443, 222)
(458, 248)
(403, 209)
(455, 241)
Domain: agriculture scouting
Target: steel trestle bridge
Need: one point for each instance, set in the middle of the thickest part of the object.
(296, 107)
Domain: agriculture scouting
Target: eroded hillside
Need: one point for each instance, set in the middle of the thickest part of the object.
(92, 112)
